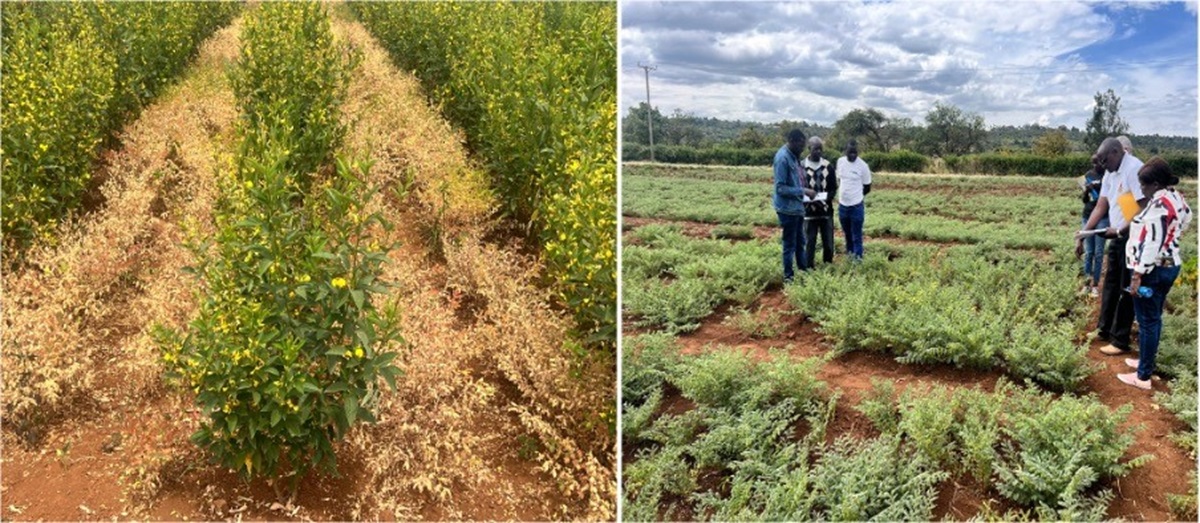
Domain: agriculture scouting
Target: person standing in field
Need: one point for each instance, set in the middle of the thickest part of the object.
(819, 175)
(1120, 199)
(1152, 255)
(1093, 246)
(854, 181)
(789, 201)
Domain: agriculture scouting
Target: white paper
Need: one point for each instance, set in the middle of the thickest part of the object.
(821, 196)
(1092, 232)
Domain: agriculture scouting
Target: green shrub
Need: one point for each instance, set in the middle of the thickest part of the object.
(751, 325)
(733, 380)
(1053, 450)
(72, 73)
(732, 232)
(878, 480)
(288, 345)
(879, 405)
(646, 362)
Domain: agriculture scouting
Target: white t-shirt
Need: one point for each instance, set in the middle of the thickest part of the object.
(852, 176)
(1114, 184)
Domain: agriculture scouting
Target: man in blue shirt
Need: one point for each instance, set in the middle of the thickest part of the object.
(789, 201)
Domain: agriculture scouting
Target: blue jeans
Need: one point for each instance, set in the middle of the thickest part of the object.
(852, 218)
(793, 243)
(1149, 316)
(1093, 254)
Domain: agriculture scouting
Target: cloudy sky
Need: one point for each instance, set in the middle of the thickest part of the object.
(1013, 62)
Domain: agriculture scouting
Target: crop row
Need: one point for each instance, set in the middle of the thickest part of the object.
(534, 87)
(672, 282)
(287, 349)
(755, 447)
(72, 73)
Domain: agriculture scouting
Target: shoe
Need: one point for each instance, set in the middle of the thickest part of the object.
(1095, 292)
(1132, 379)
(1113, 350)
(1131, 362)
(1085, 289)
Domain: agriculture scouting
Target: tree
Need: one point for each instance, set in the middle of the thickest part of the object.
(1053, 143)
(679, 129)
(634, 129)
(948, 130)
(751, 138)
(1106, 120)
(897, 132)
(864, 125)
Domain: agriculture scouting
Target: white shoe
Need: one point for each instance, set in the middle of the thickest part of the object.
(1131, 363)
(1095, 292)
(1132, 379)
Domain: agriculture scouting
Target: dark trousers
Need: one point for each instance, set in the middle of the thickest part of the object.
(1149, 313)
(793, 242)
(812, 226)
(852, 218)
(1116, 305)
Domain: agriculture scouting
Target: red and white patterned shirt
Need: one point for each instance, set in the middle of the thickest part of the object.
(1154, 233)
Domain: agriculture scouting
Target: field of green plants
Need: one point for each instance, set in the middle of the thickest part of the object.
(297, 292)
(969, 286)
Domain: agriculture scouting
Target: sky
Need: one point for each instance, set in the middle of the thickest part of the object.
(1015, 63)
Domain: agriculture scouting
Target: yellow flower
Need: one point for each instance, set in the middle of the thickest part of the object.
(338, 282)
(358, 352)
(249, 184)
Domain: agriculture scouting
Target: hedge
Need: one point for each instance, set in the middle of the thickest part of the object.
(1183, 165)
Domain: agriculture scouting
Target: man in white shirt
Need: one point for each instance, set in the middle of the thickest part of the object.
(854, 183)
(1120, 199)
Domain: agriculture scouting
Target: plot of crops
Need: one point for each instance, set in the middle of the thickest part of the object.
(951, 374)
(297, 261)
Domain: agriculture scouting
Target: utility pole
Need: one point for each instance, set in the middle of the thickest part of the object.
(649, 108)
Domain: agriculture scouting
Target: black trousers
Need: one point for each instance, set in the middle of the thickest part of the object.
(1116, 305)
(813, 225)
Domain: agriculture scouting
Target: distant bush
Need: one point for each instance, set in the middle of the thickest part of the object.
(1071, 165)
(901, 161)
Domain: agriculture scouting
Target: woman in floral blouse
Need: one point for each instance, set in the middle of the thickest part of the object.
(1152, 254)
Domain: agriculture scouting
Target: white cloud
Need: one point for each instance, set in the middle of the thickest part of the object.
(1014, 63)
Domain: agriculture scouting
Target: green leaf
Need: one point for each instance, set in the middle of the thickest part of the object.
(357, 296)
(338, 387)
(350, 406)
(275, 417)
